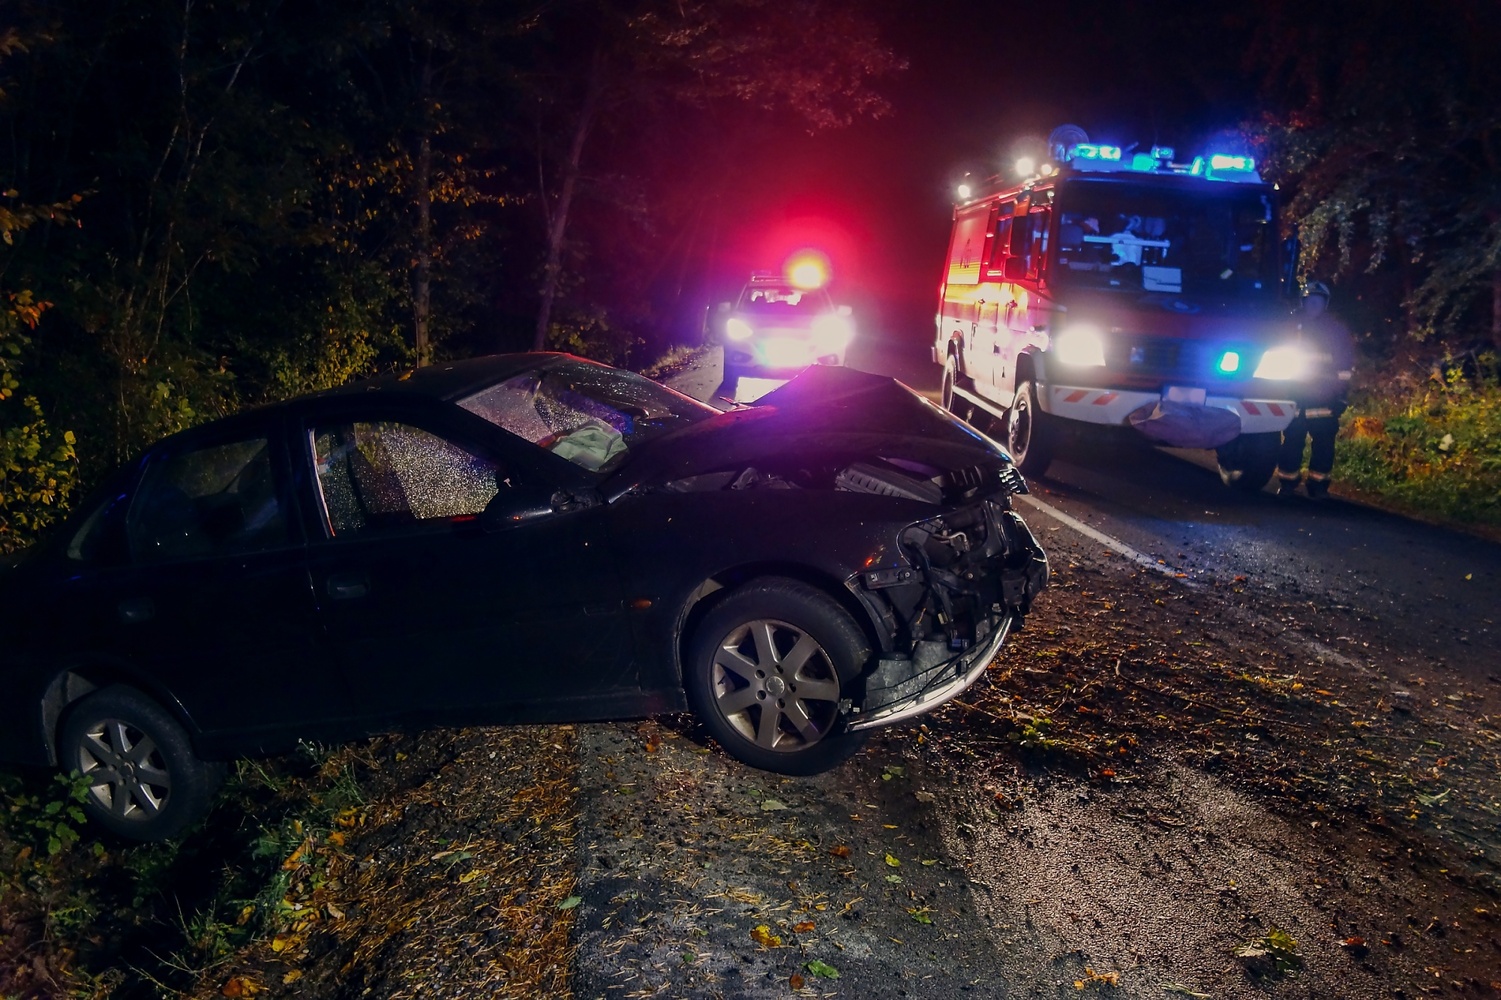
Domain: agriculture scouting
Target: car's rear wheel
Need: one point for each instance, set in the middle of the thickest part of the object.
(145, 782)
(1030, 435)
(765, 673)
(1247, 463)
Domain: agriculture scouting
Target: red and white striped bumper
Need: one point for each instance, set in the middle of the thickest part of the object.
(1112, 406)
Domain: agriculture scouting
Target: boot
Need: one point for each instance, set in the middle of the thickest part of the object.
(1318, 489)
(1287, 486)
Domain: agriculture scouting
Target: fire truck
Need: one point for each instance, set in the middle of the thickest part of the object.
(1117, 288)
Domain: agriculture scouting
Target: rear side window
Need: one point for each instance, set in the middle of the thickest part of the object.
(212, 501)
(380, 475)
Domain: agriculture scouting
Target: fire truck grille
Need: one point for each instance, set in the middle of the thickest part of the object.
(1143, 354)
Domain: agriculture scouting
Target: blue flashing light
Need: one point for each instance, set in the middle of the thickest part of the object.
(1197, 169)
(1225, 161)
(1144, 162)
(1094, 151)
(1229, 362)
(1162, 153)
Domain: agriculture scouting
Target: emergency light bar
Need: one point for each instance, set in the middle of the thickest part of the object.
(1093, 151)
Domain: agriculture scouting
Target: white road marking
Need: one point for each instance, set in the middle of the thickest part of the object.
(1114, 544)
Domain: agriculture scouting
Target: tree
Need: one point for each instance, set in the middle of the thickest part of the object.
(1389, 136)
(37, 465)
(618, 65)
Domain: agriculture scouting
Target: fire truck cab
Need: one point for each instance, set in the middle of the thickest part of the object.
(1125, 290)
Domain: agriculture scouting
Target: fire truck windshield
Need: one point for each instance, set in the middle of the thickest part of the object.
(1206, 244)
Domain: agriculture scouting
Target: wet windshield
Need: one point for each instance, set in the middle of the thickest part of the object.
(589, 414)
(1217, 244)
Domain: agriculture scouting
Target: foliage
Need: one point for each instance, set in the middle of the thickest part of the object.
(1389, 138)
(1432, 448)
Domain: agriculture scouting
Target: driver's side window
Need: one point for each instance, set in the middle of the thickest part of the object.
(380, 475)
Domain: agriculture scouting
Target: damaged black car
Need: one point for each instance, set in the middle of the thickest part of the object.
(520, 538)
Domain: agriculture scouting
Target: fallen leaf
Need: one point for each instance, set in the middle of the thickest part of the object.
(803, 927)
(822, 969)
(840, 852)
(924, 796)
(795, 981)
(772, 805)
(291, 977)
(570, 902)
(920, 916)
(892, 862)
(763, 936)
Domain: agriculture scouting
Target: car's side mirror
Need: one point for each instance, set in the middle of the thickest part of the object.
(714, 323)
(1015, 268)
(520, 505)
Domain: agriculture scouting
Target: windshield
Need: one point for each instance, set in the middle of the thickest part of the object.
(1219, 244)
(590, 414)
(786, 299)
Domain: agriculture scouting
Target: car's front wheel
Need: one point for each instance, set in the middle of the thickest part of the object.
(765, 673)
(145, 782)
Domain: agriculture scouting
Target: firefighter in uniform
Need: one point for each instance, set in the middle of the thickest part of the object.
(1321, 396)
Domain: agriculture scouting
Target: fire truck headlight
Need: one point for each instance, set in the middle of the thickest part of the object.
(1282, 363)
(1082, 345)
(831, 333)
(738, 329)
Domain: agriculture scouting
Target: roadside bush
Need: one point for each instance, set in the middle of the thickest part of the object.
(1433, 449)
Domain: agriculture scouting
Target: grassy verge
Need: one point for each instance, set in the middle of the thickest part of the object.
(1432, 449)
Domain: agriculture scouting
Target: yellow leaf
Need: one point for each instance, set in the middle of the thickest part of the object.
(892, 862)
(803, 927)
(469, 876)
(292, 976)
(763, 936)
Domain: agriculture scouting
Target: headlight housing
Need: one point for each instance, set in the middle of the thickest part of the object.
(1080, 344)
(831, 333)
(1283, 363)
(736, 328)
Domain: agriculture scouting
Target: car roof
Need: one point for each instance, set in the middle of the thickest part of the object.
(446, 381)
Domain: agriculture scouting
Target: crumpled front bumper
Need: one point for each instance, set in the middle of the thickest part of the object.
(908, 683)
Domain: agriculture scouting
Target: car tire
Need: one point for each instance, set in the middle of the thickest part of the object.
(1031, 437)
(145, 781)
(1247, 463)
(766, 670)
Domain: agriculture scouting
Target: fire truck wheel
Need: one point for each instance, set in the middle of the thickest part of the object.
(1249, 461)
(1030, 435)
(955, 404)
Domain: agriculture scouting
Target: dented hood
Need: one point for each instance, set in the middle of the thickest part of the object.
(826, 410)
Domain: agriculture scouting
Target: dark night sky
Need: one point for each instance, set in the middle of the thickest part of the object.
(981, 77)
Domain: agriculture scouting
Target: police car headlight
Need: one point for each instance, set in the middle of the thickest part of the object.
(831, 333)
(1282, 363)
(738, 329)
(1082, 345)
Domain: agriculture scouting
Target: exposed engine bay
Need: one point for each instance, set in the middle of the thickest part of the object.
(968, 575)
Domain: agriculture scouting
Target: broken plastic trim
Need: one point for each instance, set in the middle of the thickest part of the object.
(967, 668)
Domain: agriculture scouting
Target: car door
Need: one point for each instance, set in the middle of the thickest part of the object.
(210, 605)
(455, 584)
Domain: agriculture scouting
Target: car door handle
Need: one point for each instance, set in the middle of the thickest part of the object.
(348, 586)
(136, 610)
